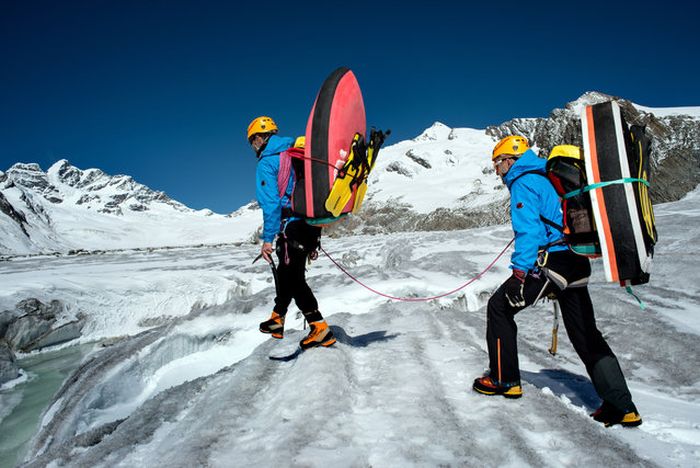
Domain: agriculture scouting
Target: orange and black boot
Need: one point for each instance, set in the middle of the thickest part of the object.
(274, 326)
(609, 415)
(487, 386)
(320, 335)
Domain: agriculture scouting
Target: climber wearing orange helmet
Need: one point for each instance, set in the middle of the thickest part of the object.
(296, 239)
(541, 265)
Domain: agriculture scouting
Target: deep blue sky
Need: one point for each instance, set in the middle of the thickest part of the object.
(164, 90)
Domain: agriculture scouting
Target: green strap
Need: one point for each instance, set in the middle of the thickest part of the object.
(642, 305)
(588, 188)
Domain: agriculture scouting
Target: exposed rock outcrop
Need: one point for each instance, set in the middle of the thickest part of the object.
(34, 325)
(675, 141)
(8, 366)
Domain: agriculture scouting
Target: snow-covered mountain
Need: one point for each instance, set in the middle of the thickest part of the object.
(169, 381)
(443, 179)
(442, 167)
(66, 208)
(440, 180)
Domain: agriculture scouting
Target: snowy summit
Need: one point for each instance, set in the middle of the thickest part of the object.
(66, 208)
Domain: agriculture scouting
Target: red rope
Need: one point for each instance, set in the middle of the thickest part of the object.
(418, 299)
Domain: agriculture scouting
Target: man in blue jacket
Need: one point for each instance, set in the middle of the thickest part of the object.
(543, 264)
(296, 240)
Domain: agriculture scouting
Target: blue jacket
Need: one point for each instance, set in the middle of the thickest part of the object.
(266, 190)
(532, 195)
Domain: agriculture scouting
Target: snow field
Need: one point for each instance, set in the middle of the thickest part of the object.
(195, 385)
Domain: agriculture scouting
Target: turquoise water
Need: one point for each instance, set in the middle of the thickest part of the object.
(47, 371)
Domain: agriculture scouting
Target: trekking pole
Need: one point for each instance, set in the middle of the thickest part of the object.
(555, 328)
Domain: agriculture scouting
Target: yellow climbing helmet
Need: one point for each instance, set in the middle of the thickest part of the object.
(262, 124)
(565, 151)
(300, 142)
(514, 145)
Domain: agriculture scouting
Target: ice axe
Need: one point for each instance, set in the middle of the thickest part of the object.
(274, 276)
(555, 329)
(274, 271)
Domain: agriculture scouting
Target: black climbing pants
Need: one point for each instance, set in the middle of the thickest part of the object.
(293, 247)
(579, 320)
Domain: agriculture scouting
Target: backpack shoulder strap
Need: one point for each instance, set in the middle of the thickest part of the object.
(551, 223)
(529, 172)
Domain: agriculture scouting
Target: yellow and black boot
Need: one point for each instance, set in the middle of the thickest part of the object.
(487, 386)
(609, 415)
(274, 326)
(320, 335)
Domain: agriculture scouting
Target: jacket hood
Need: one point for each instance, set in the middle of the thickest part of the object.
(528, 162)
(276, 144)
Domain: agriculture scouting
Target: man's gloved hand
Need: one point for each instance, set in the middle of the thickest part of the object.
(515, 286)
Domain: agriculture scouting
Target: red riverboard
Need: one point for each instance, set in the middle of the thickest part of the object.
(338, 113)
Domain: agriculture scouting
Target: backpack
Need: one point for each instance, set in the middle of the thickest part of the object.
(348, 183)
(566, 171)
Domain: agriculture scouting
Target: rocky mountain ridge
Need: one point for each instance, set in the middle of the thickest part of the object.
(66, 208)
(440, 180)
(92, 188)
(440, 152)
(675, 157)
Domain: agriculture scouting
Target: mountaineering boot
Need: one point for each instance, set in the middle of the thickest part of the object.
(320, 335)
(274, 326)
(609, 415)
(610, 384)
(487, 386)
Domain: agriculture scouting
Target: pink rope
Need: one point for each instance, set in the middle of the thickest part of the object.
(418, 299)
